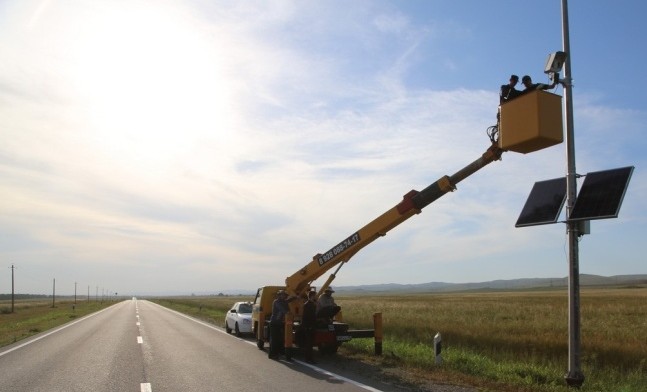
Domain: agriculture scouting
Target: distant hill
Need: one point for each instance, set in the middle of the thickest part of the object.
(431, 287)
(513, 284)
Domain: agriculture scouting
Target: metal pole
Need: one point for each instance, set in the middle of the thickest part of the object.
(574, 377)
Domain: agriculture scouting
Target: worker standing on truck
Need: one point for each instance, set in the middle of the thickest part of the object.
(326, 306)
(308, 325)
(277, 324)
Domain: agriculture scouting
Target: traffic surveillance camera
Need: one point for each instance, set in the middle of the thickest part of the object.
(555, 63)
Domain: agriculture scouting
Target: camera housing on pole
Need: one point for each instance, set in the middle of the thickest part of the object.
(554, 65)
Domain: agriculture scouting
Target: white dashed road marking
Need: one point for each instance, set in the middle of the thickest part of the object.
(145, 386)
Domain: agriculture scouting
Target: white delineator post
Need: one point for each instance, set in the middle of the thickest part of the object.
(438, 348)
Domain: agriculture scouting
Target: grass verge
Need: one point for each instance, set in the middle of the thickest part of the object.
(31, 317)
(209, 309)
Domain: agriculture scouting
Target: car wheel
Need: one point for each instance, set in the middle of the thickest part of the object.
(237, 330)
(227, 329)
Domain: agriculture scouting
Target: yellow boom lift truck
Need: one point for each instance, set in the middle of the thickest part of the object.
(528, 123)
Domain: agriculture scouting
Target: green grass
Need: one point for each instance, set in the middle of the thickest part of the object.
(34, 316)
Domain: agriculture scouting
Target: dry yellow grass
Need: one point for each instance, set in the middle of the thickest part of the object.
(521, 324)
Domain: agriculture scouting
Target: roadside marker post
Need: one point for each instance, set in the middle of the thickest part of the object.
(438, 348)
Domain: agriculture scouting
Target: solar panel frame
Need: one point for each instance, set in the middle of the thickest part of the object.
(544, 203)
(601, 194)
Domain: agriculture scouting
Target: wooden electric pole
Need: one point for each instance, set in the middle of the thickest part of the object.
(12, 287)
(54, 294)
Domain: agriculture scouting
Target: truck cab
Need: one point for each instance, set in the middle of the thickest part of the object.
(261, 312)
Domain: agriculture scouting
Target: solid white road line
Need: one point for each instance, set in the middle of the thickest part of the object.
(313, 367)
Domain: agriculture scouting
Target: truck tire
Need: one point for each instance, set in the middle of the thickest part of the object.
(327, 349)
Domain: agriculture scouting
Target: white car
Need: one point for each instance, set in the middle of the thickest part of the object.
(239, 318)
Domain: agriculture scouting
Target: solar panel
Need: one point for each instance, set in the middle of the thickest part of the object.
(544, 203)
(602, 194)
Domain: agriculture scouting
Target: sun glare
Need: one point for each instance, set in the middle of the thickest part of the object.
(151, 82)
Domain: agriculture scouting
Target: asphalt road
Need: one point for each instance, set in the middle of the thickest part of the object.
(139, 346)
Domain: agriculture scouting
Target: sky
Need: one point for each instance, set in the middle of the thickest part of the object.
(186, 146)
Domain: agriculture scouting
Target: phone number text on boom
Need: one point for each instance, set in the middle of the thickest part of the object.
(342, 246)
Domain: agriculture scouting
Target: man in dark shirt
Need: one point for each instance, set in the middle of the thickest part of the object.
(308, 324)
(508, 91)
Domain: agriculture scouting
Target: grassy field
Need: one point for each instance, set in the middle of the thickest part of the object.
(506, 341)
(518, 339)
(37, 315)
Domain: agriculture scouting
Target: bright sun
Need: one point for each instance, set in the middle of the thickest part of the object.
(151, 81)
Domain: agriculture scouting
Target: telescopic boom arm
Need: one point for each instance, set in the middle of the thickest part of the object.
(412, 204)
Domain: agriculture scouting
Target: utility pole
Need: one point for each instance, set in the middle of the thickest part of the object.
(574, 377)
(88, 293)
(74, 293)
(12, 288)
(54, 294)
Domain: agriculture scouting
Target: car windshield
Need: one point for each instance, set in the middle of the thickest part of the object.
(245, 308)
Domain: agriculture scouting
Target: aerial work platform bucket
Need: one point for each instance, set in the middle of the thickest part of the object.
(531, 122)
